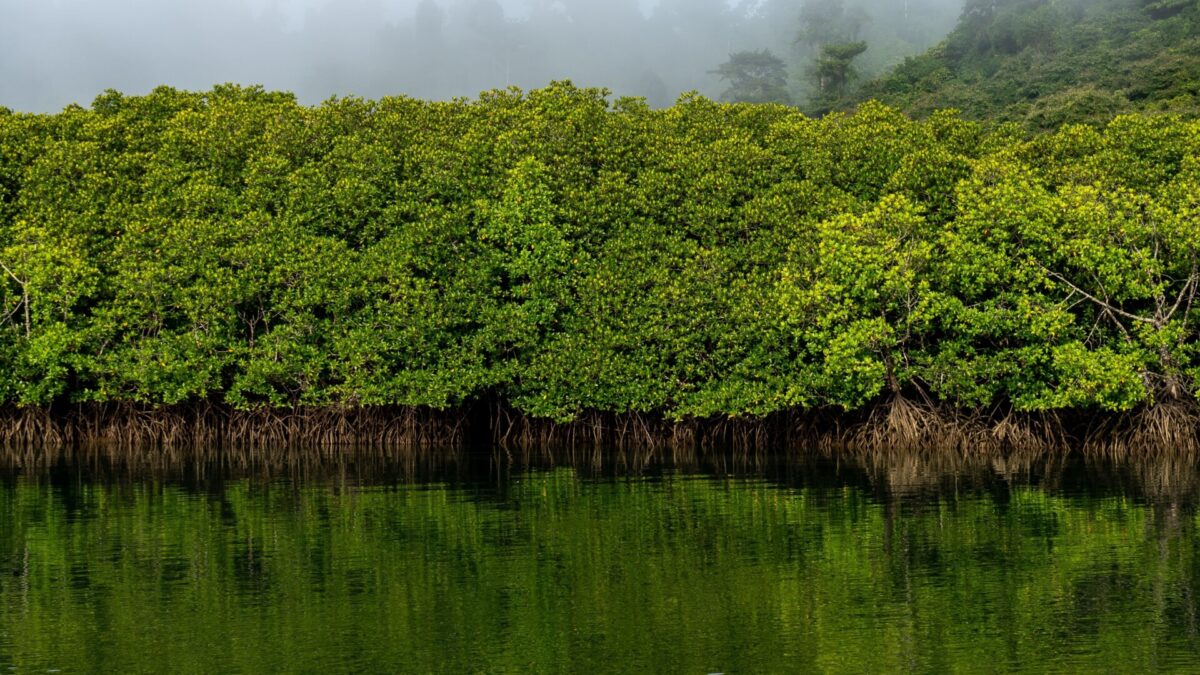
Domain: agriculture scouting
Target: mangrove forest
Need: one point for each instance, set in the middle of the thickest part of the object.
(560, 254)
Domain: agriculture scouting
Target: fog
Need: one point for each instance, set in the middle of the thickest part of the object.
(57, 52)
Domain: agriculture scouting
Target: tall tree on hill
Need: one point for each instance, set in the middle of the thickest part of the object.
(833, 70)
(824, 22)
(754, 77)
(831, 33)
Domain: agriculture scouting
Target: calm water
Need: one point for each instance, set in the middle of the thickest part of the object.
(475, 564)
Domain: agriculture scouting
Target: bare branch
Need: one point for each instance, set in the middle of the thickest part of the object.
(24, 297)
(12, 312)
(1188, 291)
(1112, 310)
(14, 277)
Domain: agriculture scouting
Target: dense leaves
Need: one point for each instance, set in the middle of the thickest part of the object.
(567, 253)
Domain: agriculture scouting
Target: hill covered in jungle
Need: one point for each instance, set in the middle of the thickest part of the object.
(1050, 62)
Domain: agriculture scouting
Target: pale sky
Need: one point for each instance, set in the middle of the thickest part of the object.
(57, 52)
(295, 9)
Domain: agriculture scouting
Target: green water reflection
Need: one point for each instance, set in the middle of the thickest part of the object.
(552, 571)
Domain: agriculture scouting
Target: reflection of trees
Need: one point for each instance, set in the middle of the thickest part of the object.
(772, 574)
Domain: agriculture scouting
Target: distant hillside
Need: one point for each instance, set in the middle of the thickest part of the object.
(1046, 62)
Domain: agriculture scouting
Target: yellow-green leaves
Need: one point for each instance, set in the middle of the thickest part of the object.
(567, 254)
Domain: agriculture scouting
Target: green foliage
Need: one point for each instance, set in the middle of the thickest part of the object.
(567, 253)
(1045, 64)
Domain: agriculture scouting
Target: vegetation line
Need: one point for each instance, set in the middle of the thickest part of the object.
(574, 257)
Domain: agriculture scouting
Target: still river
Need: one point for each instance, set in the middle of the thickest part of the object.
(478, 562)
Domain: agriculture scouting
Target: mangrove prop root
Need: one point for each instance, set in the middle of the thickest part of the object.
(897, 425)
(215, 426)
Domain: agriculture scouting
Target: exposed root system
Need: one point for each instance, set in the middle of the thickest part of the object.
(901, 425)
(1166, 429)
(213, 426)
(896, 427)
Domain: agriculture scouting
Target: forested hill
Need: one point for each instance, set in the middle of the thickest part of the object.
(1047, 62)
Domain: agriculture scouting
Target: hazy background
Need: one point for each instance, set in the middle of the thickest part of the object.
(57, 52)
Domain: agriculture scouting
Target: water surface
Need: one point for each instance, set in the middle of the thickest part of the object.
(484, 564)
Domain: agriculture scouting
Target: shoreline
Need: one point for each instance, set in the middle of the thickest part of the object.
(896, 425)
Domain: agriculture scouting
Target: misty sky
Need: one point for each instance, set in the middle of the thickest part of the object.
(395, 9)
(57, 52)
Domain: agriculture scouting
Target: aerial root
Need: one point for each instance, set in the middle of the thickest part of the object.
(128, 425)
(1168, 428)
(896, 425)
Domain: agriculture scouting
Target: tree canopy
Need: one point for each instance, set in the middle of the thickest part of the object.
(568, 252)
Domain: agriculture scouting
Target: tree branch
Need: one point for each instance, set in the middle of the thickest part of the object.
(24, 297)
(1188, 291)
(10, 273)
(1106, 306)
